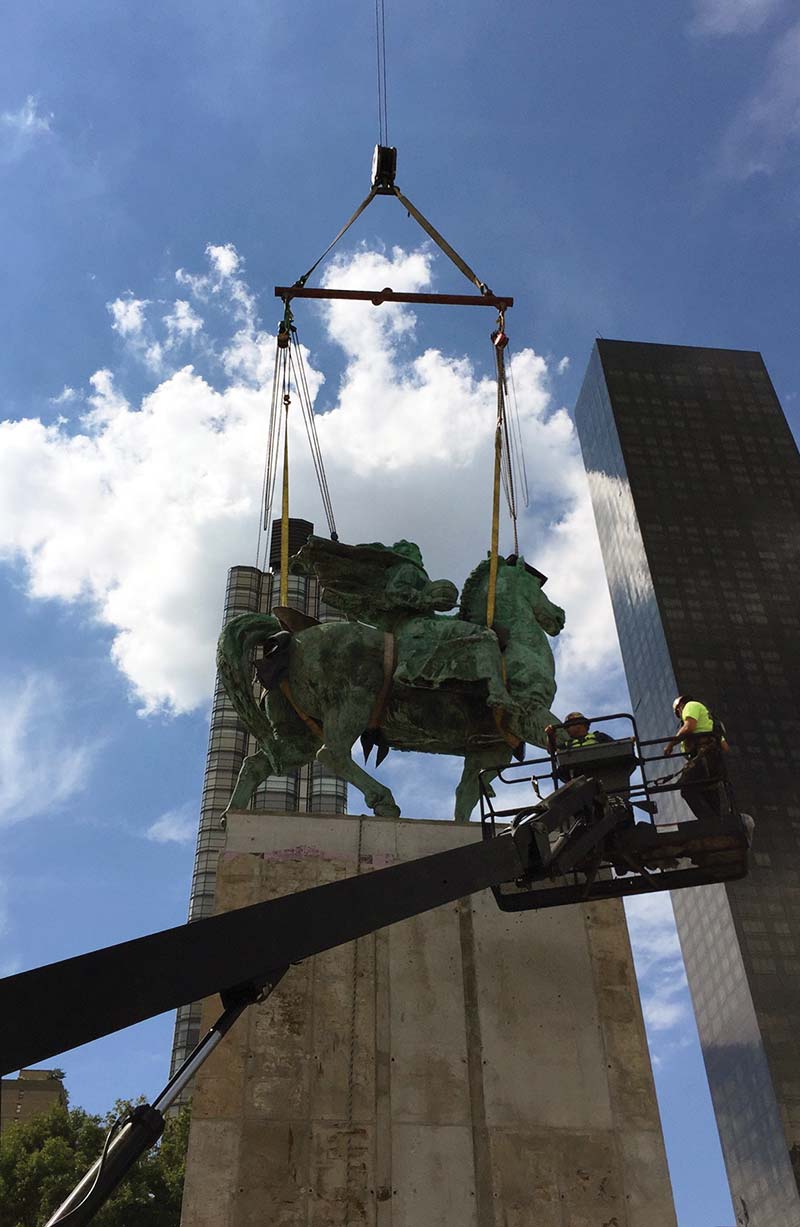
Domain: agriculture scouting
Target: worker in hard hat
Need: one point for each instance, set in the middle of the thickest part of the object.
(578, 730)
(704, 743)
(574, 734)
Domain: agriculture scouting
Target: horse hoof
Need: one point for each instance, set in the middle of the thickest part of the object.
(387, 809)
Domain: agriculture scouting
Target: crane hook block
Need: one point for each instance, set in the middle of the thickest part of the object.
(384, 169)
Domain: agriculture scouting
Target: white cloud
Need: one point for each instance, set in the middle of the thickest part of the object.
(139, 509)
(21, 130)
(41, 767)
(651, 923)
(563, 365)
(128, 315)
(659, 962)
(221, 282)
(182, 321)
(759, 139)
(28, 121)
(589, 670)
(721, 17)
(225, 259)
(176, 826)
(130, 323)
(66, 396)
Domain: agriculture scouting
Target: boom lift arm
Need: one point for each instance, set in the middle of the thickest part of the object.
(51, 1009)
(243, 954)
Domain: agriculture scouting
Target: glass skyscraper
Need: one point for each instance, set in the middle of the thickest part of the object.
(695, 483)
(311, 789)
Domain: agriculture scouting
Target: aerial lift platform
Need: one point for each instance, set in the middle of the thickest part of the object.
(600, 846)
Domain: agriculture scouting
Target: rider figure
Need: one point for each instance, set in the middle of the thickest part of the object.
(388, 587)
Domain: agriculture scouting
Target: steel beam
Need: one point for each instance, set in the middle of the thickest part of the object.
(377, 297)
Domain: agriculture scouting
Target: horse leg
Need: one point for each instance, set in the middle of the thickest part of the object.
(255, 769)
(340, 733)
(475, 761)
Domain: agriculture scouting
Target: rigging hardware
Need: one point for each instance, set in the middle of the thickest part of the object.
(290, 376)
(508, 460)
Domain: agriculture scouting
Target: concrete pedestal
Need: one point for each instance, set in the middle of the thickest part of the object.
(465, 1068)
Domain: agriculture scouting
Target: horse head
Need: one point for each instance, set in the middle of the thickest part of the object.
(521, 582)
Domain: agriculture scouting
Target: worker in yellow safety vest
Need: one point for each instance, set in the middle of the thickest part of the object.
(704, 743)
(574, 735)
(579, 733)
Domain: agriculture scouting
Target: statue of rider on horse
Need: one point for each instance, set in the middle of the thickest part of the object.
(400, 673)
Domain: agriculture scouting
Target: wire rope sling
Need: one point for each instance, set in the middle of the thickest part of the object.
(509, 475)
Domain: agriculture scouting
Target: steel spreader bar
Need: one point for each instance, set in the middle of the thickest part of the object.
(377, 297)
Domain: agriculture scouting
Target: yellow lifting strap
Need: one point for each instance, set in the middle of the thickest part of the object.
(494, 549)
(499, 341)
(284, 588)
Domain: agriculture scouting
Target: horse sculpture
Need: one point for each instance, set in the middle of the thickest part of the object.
(343, 678)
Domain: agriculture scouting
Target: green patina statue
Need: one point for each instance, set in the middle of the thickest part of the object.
(400, 673)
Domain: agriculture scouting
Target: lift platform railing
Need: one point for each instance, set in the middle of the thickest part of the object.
(638, 793)
(623, 856)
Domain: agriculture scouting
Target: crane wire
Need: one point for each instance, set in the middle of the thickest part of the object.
(289, 377)
(301, 383)
(518, 449)
(380, 56)
(507, 437)
(266, 502)
(277, 422)
(506, 452)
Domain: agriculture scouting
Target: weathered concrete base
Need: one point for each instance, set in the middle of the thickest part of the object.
(466, 1068)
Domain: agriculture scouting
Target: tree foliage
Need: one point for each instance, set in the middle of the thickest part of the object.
(41, 1161)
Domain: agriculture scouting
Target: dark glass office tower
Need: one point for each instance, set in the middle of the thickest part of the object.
(695, 483)
(311, 789)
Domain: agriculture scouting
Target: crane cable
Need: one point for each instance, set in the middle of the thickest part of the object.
(290, 370)
(441, 242)
(509, 463)
(509, 459)
(289, 375)
(380, 56)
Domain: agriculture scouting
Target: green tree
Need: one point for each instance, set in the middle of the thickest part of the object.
(42, 1160)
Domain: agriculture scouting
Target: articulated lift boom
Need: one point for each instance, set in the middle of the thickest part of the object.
(243, 954)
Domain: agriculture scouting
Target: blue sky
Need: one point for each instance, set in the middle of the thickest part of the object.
(621, 172)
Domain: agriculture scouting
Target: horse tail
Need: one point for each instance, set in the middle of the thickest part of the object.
(234, 661)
